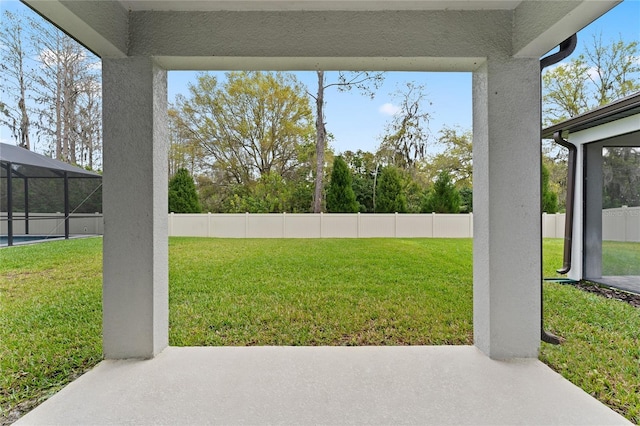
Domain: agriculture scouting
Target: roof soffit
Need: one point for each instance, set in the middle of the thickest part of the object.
(101, 26)
(316, 5)
(539, 26)
(458, 32)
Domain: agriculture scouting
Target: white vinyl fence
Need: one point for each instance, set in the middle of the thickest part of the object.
(336, 225)
(621, 224)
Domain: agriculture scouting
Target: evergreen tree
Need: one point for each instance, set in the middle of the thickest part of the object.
(340, 195)
(443, 197)
(466, 200)
(390, 197)
(183, 197)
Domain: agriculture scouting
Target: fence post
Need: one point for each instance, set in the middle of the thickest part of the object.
(321, 225)
(433, 224)
(246, 224)
(395, 226)
(208, 224)
(470, 224)
(284, 224)
(358, 229)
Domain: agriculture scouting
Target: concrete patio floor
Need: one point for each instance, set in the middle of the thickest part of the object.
(322, 385)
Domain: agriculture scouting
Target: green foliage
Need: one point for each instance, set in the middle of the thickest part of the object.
(364, 167)
(340, 195)
(601, 75)
(247, 126)
(549, 198)
(443, 197)
(271, 194)
(183, 197)
(466, 200)
(457, 157)
(390, 197)
(250, 139)
(555, 160)
(621, 174)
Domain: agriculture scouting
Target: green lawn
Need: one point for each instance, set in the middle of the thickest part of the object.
(620, 258)
(320, 292)
(295, 292)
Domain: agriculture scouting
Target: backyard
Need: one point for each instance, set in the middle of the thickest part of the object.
(294, 292)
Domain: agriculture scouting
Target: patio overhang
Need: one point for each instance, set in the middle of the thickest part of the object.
(499, 41)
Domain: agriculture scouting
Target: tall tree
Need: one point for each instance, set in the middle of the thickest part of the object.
(599, 76)
(363, 81)
(248, 126)
(456, 157)
(16, 77)
(443, 197)
(66, 92)
(184, 152)
(405, 141)
(340, 195)
(365, 169)
(390, 197)
(183, 197)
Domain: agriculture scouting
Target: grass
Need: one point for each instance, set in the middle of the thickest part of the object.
(320, 292)
(295, 292)
(620, 258)
(601, 351)
(50, 318)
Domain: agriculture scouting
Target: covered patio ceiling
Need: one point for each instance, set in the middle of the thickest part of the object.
(424, 35)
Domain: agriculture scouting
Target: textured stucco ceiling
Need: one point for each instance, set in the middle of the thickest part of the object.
(425, 35)
(245, 5)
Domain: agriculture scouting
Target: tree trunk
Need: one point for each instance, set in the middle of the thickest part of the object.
(60, 153)
(24, 116)
(321, 136)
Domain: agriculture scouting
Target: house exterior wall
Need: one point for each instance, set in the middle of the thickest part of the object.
(591, 224)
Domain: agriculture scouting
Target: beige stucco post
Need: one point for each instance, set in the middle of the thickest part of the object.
(135, 287)
(506, 203)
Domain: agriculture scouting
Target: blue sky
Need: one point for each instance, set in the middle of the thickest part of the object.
(357, 122)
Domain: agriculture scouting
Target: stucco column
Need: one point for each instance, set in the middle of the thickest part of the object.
(135, 286)
(506, 208)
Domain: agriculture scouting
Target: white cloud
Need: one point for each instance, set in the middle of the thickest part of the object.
(389, 109)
